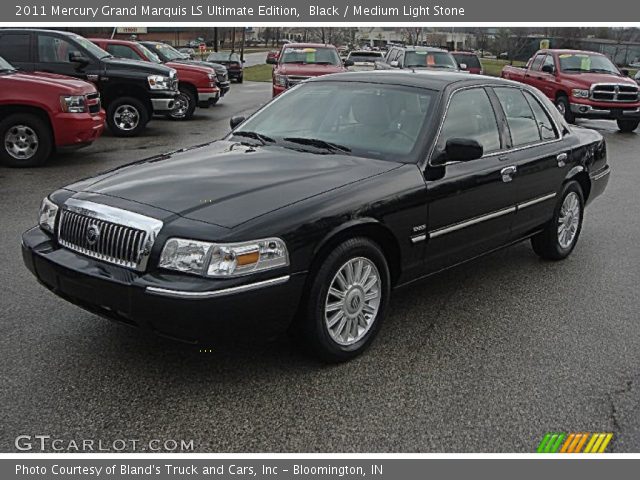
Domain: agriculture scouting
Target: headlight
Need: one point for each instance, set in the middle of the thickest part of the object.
(212, 79)
(223, 260)
(73, 103)
(281, 80)
(48, 214)
(158, 82)
(580, 93)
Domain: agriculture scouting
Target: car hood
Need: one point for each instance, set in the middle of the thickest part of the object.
(588, 79)
(309, 69)
(216, 66)
(114, 63)
(185, 67)
(60, 83)
(227, 184)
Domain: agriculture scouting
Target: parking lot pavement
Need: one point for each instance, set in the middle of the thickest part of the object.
(486, 357)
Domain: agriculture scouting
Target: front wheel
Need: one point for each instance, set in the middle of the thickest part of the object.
(628, 126)
(27, 140)
(347, 301)
(185, 105)
(564, 107)
(240, 79)
(560, 235)
(127, 117)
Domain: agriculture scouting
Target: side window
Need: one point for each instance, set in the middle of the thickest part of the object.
(122, 51)
(537, 62)
(547, 131)
(53, 49)
(522, 124)
(549, 61)
(470, 116)
(14, 47)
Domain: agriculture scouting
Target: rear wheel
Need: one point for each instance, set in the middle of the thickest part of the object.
(560, 235)
(27, 140)
(127, 117)
(564, 107)
(347, 301)
(628, 126)
(240, 78)
(185, 105)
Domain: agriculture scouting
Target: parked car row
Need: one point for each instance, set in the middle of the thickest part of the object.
(48, 77)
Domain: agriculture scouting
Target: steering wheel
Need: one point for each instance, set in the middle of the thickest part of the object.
(402, 133)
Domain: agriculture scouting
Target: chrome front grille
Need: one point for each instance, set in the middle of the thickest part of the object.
(614, 92)
(106, 233)
(295, 79)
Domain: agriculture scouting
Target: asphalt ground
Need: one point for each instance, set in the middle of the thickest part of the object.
(487, 357)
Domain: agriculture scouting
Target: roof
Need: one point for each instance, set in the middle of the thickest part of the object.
(560, 51)
(307, 45)
(418, 48)
(431, 79)
(113, 41)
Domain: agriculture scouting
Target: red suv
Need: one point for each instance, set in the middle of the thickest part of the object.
(40, 112)
(197, 84)
(298, 61)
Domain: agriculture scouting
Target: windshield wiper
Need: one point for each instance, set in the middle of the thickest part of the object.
(263, 139)
(316, 142)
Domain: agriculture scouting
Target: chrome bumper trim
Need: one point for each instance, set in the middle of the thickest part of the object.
(217, 293)
(162, 104)
(598, 176)
(205, 97)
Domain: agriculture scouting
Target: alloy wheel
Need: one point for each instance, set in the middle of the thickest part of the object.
(21, 142)
(126, 117)
(569, 220)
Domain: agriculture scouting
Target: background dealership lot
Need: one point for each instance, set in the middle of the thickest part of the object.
(486, 357)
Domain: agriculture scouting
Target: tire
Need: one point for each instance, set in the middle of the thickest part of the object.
(186, 103)
(551, 244)
(628, 126)
(130, 125)
(214, 101)
(365, 316)
(563, 106)
(27, 140)
(240, 79)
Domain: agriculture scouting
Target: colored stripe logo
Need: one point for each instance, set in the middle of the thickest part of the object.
(574, 442)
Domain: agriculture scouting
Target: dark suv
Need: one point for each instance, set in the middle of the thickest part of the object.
(417, 58)
(131, 91)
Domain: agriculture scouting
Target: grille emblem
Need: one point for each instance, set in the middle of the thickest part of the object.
(93, 234)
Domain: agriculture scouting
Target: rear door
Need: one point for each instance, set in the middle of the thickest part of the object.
(470, 206)
(535, 148)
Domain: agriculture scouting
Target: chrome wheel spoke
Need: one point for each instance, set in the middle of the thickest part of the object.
(569, 220)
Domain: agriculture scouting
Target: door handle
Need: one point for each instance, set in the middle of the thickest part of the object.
(562, 159)
(507, 173)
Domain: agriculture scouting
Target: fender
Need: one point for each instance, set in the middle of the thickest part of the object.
(358, 222)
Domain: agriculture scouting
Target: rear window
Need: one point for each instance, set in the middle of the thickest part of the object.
(425, 58)
(471, 61)
(306, 55)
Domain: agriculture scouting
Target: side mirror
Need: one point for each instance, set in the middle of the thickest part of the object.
(272, 60)
(463, 150)
(235, 121)
(463, 66)
(77, 57)
(244, 61)
(394, 63)
(548, 69)
(624, 72)
(348, 62)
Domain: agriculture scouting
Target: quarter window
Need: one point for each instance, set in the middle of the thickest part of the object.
(545, 125)
(470, 116)
(522, 123)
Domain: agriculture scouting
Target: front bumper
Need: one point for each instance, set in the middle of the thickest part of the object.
(224, 87)
(77, 129)
(206, 97)
(277, 90)
(163, 102)
(583, 110)
(187, 308)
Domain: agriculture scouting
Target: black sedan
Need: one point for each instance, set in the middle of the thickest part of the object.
(311, 211)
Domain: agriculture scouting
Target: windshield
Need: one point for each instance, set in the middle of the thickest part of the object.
(583, 62)
(223, 57)
(368, 120)
(152, 57)
(365, 56)
(5, 66)
(419, 58)
(167, 52)
(471, 61)
(91, 47)
(321, 56)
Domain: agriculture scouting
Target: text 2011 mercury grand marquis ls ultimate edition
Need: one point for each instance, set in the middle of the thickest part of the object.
(312, 210)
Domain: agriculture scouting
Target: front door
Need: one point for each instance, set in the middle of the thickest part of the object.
(470, 204)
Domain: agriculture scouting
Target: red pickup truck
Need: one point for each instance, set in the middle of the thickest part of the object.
(299, 61)
(197, 84)
(582, 85)
(40, 112)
